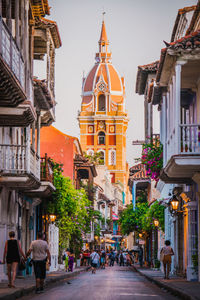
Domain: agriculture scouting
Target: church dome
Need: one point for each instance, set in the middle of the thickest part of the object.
(103, 77)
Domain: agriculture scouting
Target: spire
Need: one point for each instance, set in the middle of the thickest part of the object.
(103, 42)
(103, 37)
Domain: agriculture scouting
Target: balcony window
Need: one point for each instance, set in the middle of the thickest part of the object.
(101, 138)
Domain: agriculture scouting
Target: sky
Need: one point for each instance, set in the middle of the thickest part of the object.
(136, 30)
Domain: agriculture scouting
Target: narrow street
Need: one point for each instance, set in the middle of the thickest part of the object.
(119, 283)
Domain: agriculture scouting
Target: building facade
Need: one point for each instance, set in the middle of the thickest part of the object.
(175, 91)
(22, 112)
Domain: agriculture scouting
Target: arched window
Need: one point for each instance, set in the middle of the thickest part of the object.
(101, 138)
(102, 103)
(112, 157)
(102, 157)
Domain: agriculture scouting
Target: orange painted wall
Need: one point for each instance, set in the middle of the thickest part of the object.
(58, 146)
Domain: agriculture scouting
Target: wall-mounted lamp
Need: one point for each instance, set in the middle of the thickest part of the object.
(52, 218)
(156, 223)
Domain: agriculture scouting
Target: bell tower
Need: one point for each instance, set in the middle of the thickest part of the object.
(103, 121)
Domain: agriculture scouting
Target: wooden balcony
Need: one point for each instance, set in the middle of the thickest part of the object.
(19, 167)
(46, 180)
(181, 165)
(12, 70)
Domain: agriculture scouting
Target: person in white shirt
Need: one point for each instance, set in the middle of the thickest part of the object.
(94, 260)
(40, 251)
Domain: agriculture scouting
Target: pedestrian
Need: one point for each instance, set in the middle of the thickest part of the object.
(121, 259)
(128, 259)
(94, 261)
(166, 258)
(117, 258)
(140, 256)
(40, 252)
(112, 258)
(12, 254)
(103, 259)
(66, 259)
(71, 261)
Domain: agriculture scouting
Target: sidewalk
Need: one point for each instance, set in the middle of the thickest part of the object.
(26, 285)
(176, 285)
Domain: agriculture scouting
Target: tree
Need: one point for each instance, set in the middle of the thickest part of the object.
(141, 219)
(73, 210)
(132, 220)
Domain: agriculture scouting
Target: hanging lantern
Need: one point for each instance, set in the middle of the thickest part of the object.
(174, 203)
(52, 218)
(156, 223)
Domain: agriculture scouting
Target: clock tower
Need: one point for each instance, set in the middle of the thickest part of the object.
(103, 120)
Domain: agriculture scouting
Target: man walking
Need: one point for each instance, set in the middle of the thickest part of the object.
(40, 251)
(94, 261)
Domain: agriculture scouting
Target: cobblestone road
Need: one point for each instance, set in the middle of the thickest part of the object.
(114, 283)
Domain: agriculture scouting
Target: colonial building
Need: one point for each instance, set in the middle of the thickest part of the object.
(176, 92)
(24, 108)
(103, 120)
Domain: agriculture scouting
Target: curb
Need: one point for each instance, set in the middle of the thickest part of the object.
(174, 291)
(17, 293)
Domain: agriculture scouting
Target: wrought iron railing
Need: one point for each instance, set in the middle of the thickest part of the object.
(11, 53)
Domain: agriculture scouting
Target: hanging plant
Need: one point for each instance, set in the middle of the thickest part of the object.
(152, 158)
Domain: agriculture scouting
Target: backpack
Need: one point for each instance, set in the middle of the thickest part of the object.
(64, 256)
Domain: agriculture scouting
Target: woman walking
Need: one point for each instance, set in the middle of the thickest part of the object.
(12, 254)
(71, 261)
(166, 257)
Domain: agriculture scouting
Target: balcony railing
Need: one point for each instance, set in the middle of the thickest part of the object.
(190, 138)
(19, 159)
(46, 170)
(11, 53)
(188, 142)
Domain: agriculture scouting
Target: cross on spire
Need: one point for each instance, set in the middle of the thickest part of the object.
(103, 14)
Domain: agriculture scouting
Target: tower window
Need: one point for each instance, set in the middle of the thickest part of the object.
(102, 103)
(101, 138)
(102, 158)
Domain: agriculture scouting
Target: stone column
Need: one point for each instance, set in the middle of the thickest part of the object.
(192, 236)
(177, 107)
(38, 133)
(177, 93)
(8, 15)
(17, 22)
(196, 178)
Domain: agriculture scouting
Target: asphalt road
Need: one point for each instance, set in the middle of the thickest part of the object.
(113, 283)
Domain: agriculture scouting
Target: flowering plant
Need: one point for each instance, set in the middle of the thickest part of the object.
(152, 157)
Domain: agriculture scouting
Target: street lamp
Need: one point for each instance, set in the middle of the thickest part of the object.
(140, 235)
(156, 223)
(174, 204)
(52, 217)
